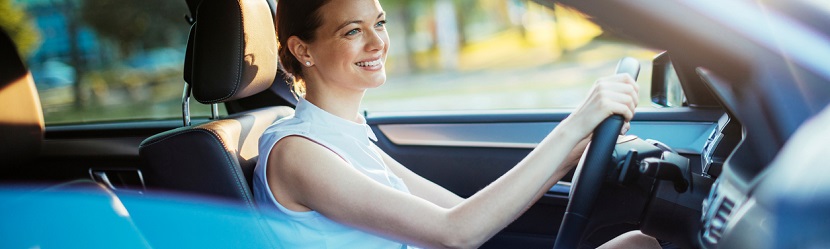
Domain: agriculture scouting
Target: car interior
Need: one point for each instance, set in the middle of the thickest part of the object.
(712, 172)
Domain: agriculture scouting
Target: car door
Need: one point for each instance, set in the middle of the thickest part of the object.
(466, 152)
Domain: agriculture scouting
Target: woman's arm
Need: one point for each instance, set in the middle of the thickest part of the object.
(338, 191)
(333, 188)
(426, 189)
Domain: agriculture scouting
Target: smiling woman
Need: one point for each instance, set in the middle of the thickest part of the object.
(313, 162)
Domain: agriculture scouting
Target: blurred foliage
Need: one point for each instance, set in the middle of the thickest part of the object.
(511, 54)
(137, 24)
(18, 24)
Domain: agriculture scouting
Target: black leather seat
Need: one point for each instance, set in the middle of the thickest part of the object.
(233, 50)
(21, 117)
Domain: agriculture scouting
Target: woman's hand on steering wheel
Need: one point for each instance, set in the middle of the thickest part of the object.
(616, 94)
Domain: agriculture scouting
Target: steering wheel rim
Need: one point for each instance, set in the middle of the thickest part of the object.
(590, 174)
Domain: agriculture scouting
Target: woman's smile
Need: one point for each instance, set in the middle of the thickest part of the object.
(371, 64)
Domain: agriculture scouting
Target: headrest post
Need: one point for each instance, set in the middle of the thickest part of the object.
(186, 104)
(214, 111)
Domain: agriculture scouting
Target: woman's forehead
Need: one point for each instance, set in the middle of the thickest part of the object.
(337, 12)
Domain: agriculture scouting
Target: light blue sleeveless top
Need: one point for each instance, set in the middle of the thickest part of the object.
(347, 139)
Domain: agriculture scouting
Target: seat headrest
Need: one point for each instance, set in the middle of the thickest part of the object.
(21, 117)
(234, 50)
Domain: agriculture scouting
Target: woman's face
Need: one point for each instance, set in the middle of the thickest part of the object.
(351, 45)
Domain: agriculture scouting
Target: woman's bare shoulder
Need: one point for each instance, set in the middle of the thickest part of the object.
(295, 150)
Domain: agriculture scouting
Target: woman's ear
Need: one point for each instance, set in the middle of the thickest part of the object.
(300, 50)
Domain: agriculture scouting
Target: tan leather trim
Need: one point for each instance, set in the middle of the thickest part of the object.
(234, 50)
(243, 139)
(260, 51)
(21, 119)
(21, 103)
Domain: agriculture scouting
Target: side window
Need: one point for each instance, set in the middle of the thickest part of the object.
(105, 60)
(489, 55)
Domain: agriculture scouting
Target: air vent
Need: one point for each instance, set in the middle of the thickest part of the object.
(713, 228)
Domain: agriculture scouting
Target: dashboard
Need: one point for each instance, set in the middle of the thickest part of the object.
(783, 206)
(725, 157)
(724, 196)
(744, 206)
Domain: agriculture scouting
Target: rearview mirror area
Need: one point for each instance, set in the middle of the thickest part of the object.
(666, 90)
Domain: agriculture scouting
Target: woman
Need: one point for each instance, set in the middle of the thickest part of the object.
(330, 186)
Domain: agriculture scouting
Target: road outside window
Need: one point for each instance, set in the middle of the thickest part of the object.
(103, 60)
(114, 60)
(495, 55)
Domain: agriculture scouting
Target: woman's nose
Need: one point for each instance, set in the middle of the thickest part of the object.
(375, 40)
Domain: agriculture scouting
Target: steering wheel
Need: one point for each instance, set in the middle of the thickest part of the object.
(590, 174)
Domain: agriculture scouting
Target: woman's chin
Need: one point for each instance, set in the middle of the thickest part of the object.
(377, 80)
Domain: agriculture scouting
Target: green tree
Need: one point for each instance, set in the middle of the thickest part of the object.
(133, 26)
(136, 24)
(464, 9)
(406, 13)
(17, 23)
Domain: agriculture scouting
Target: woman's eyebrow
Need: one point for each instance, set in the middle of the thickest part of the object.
(356, 22)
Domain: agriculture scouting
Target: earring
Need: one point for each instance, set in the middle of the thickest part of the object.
(308, 63)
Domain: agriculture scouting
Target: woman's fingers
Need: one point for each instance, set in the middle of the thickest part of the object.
(626, 127)
(623, 77)
(628, 90)
(621, 83)
(617, 98)
(620, 108)
(615, 94)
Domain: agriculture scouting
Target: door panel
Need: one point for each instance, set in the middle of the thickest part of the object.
(464, 152)
(528, 135)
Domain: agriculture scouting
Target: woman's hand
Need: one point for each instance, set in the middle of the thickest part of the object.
(617, 94)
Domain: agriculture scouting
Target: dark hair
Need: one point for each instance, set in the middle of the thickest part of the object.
(299, 18)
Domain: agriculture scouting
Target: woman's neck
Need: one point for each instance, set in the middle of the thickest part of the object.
(343, 104)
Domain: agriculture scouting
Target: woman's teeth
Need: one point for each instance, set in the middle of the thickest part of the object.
(368, 63)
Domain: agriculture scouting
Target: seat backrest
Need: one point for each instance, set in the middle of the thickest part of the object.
(21, 118)
(233, 55)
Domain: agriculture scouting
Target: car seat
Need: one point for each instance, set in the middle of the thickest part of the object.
(232, 54)
(21, 117)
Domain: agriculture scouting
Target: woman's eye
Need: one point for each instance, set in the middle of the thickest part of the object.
(352, 32)
(381, 23)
